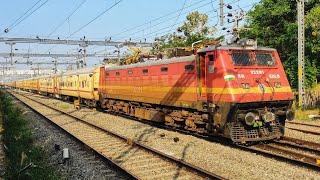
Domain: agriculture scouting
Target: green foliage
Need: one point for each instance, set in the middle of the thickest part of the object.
(20, 150)
(195, 28)
(274, 24)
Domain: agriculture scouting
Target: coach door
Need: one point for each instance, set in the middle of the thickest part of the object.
(201, 70)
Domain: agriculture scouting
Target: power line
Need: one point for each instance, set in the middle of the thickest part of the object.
(7, 30)
(154, 32)
(67, 18)
(89, 22)
(178, 15)
(63, 21)
(24, 14)
(155, 19)
(165, 21)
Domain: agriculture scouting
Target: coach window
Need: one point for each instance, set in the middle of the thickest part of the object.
(164, 69)
(130, 72)
(117, 73)
(107, 73)
(145, 71)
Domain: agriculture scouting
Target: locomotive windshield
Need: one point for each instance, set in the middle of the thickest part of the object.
(264, 59)
(247, 59)
(241, 59)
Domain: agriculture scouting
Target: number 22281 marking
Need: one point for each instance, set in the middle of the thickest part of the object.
(257, 72)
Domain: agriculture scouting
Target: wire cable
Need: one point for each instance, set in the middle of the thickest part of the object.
(165, 21)
(154, 32)
(27, 15)
(24, 14)
(155, 19)
(67, 18)
(178, 15)
(116, 3)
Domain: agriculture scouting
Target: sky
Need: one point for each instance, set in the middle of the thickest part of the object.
(124, 19)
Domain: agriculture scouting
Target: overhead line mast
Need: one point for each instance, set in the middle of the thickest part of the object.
(300, 19)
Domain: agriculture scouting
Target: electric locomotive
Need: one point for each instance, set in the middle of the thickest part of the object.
(239, 91)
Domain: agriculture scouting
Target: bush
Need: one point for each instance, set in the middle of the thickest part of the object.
(24, 159)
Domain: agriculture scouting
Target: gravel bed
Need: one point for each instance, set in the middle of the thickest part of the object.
(228, 162)
(83, 165)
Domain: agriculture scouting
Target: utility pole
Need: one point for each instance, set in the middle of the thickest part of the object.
(84, 54)
(120, 45)
(221, 13)
(300, 19)
(11, 51)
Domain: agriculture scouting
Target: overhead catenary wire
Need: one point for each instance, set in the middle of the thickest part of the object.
(156, 19)
(95, 18)
(16, 24)
(154, 32)
(78, 7)
(178, 15)
(23, 14)
(57, 27)
(166, 20)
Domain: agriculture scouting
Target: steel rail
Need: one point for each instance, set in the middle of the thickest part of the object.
(306, 145)
(304, 124)
(285, 154)
(180, 162)
(305, 131)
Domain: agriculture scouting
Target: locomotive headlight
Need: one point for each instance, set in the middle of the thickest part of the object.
(290, 115)
(268, 117)
(250, 118)
(245, 85)
(277, 84)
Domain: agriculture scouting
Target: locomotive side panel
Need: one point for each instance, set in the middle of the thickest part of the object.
(172, 84)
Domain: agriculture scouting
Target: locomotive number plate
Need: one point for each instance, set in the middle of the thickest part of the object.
(257, 72)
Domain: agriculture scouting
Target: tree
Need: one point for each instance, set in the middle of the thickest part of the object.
(273, 24)
(195, 28)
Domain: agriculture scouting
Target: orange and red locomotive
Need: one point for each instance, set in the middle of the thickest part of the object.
(238, 91)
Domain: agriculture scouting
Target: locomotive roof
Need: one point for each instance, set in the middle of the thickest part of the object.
(154, 62)
(233, 47)
(79, 71)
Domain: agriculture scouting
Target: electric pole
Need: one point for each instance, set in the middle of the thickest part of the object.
(300, 19)
(221, 13)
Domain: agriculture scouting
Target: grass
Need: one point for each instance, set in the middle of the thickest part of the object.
(24, 159)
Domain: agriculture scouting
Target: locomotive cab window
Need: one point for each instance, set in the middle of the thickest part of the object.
(241, 59)
(211, 58)
(164, 69)
(265, 59)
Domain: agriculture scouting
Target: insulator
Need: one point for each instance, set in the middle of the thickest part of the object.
(229, 14)
(229, 6)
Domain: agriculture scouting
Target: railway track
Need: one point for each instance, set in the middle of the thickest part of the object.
(288, 149)
(303, 130)
(134, 158)
(304, 124)
(294, 150)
